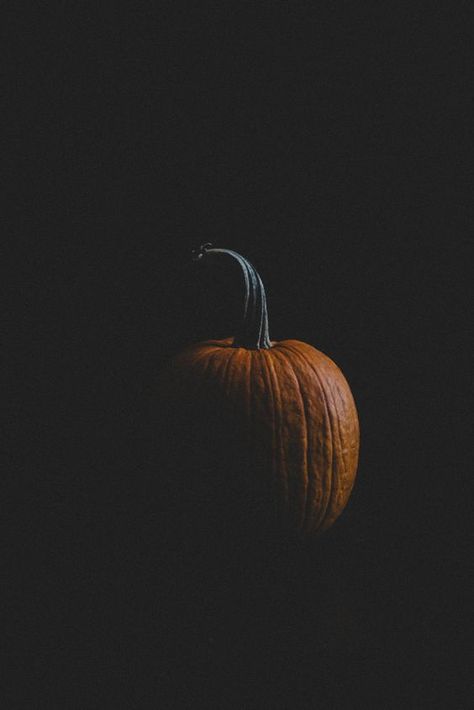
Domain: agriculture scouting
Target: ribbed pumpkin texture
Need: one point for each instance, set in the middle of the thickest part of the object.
(271, 428)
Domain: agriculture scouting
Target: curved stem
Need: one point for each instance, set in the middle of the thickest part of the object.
(253, 331)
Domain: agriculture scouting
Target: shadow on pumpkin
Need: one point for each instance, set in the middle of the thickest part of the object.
(210, 494)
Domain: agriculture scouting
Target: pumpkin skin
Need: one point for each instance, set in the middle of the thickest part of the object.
(292, 406)
(283, 425)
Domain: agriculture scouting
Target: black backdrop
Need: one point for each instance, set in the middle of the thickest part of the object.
(326, 145)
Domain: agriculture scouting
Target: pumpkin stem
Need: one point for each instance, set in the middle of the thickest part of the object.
(253, 332)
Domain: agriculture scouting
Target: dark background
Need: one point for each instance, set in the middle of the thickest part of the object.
(328, 145)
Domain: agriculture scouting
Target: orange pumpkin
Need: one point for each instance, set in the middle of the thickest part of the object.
(279, 415)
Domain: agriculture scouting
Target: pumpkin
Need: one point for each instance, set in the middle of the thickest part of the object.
(268, 427)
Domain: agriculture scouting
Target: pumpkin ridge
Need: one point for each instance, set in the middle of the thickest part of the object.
(269, 383)
(343, 410)
(316, 470)
(336, 438)
(341, 387)
(336, 474)
(292, 481)
(357, 427)
(322, 518)
(338, 391)
(315, 485)
(278, 408)
(336, 407)
(328, 423)
(306, 467)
